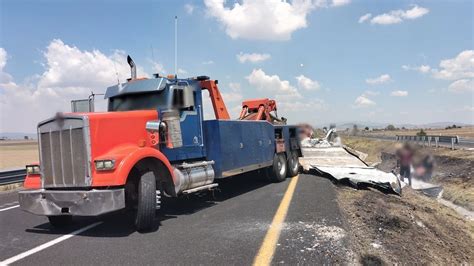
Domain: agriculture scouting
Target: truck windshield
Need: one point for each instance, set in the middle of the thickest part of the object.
(141, 101)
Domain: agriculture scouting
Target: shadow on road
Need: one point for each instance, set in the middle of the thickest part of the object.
(120, 224)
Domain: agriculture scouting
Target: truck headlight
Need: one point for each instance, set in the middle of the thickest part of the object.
(103, 165)
(32, 170)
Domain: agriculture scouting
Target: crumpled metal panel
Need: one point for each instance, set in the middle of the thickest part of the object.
(367, 175)
(329, 156)
(343, 165)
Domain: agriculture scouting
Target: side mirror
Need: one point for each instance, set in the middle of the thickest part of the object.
(183, 97)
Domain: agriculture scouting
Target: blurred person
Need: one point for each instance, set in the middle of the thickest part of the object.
(424, 169)
(405, 158)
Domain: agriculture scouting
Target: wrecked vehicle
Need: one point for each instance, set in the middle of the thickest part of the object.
(328, 157)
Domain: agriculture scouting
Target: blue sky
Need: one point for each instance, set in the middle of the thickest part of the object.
(408, 62)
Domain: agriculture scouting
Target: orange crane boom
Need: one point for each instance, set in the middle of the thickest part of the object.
(220, 110)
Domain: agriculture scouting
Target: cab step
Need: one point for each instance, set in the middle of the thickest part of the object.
(196, 189)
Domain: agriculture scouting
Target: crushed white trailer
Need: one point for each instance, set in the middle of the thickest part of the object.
(343, 165)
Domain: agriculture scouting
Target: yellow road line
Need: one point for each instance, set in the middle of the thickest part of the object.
(267, 249)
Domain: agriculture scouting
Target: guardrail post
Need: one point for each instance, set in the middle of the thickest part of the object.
(437, 141)
(452, 143)
(429, 141)
(423, 139)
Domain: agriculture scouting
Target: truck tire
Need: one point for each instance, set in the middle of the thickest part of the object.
(146, 206)
(277, 172)
(60, 220)
(293, 164)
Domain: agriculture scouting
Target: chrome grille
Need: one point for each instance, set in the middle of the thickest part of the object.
(64, 153)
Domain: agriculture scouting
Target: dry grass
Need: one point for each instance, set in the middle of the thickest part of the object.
(17, 154)
(374, 148)
(11, 186)
(461, 132)
(460, 193)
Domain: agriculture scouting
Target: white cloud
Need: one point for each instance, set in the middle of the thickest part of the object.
(399, 93)
(379, 80)
(3, 58)
(462, 66)
(6, 79)
(189, 9)
(157, 67)
(468, 108)
(415, 12)
(182, 71)
(307, 84)
(285, 106)
(462, 85)
(273, 20)
(209, 62)
(69, 67)
(252, 58)
(70, 73)
(263, 82)
(424, 68)
(365, 17)
(330, 3)
(340, 2)
(397, 16)
(421, 69)
(235, 86)
(235, 93)
(362, 102)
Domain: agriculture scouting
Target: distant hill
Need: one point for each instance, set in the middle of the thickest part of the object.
(371, 125)
(17, 135)
(444, 124)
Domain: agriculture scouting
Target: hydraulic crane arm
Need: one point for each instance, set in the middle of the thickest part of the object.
(260, 109)
(220, 110)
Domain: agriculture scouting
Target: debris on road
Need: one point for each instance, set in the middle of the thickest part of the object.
(331, 139)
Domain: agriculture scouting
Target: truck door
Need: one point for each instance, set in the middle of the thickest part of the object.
(183, 98)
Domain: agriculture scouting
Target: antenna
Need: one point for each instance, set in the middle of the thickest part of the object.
(176, 46)
(152, 53)
(116, 73)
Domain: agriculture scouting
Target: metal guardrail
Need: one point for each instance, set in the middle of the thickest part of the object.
(12, 176)
(429, 140)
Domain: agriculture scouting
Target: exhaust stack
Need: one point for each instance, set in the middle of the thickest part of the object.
(133, 67)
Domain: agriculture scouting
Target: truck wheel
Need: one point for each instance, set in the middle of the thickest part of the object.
(277, 173)
(293, 164)
(146, 202)
(60, 221)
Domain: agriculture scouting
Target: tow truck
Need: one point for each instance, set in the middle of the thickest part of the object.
(152, 142)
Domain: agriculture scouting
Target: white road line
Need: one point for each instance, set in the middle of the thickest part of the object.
(12, 207)
(47, 245)
(9, 204)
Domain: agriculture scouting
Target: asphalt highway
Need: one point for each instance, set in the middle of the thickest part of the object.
(294, 222)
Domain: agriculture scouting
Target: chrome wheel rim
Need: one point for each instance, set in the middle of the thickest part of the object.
(294, 162)
(281, 165)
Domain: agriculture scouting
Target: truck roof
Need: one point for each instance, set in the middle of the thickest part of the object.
(148, 85)
(136, 86)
